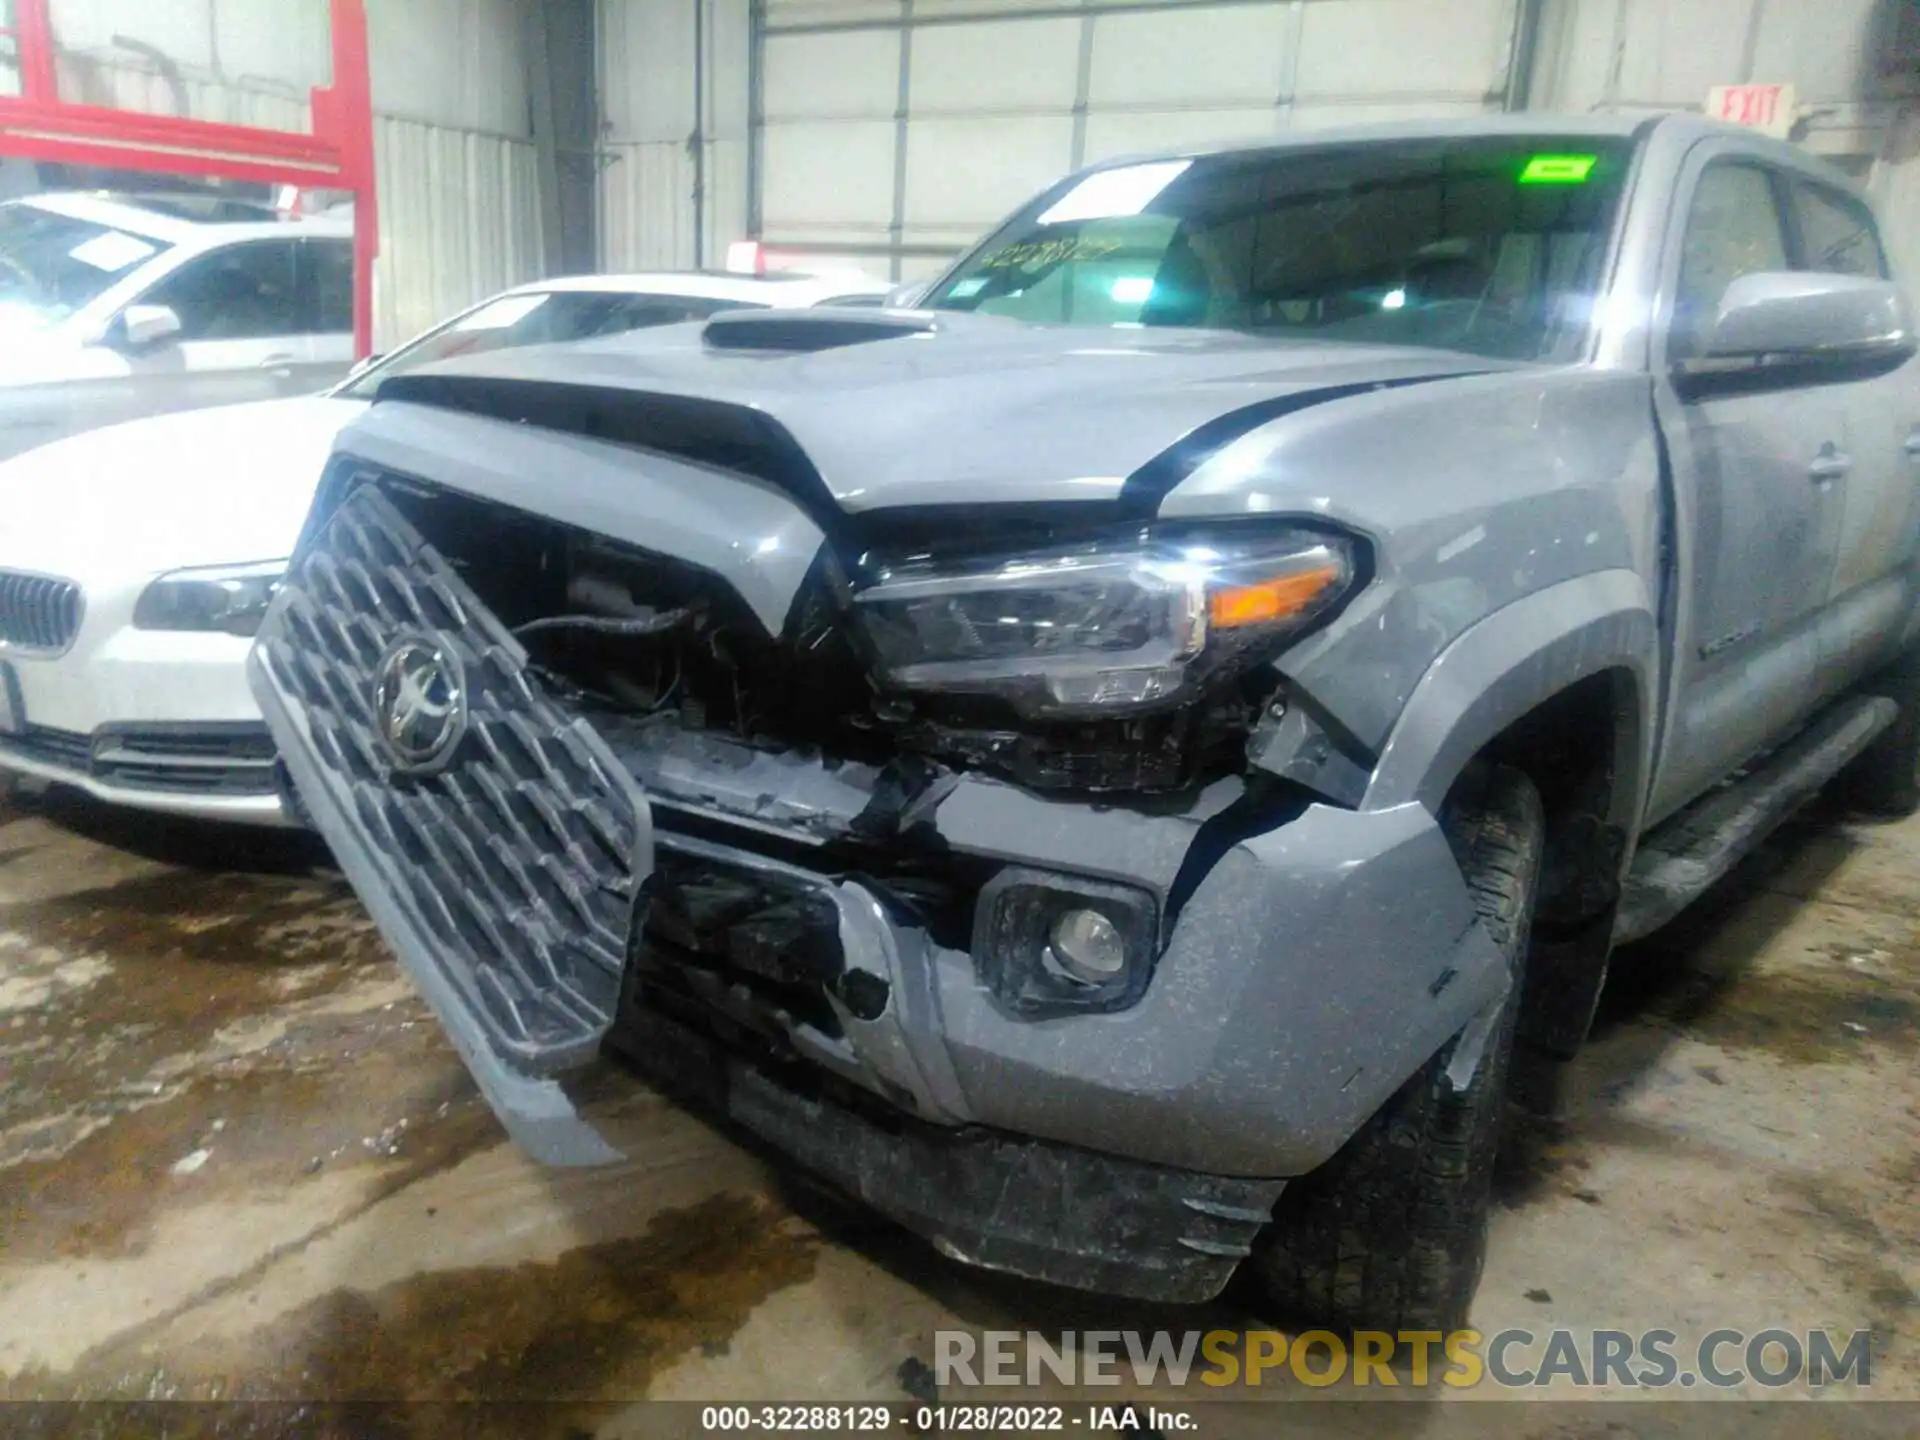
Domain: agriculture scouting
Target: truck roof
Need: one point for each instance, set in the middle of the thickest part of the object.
(1618, 124)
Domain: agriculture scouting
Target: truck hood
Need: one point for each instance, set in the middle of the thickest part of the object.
(946, 408)
(219, 486)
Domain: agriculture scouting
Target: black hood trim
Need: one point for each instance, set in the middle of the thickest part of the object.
(1145, 488)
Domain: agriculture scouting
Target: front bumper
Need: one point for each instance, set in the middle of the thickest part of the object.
(153, 720)
(1002, 1202)
(1309, 969)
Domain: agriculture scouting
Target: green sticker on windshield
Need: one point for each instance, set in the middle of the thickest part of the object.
(1557, 169)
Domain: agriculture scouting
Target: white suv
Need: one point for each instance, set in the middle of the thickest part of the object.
(114, 308)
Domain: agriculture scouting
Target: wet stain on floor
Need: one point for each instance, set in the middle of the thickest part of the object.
(113, 992)
(1832, 1004)
(1859, 1253)
(14, 852)
(183, 1035)
(253, 1129)
(255, 927)
(596, 1323)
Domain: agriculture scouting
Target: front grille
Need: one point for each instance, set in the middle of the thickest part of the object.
(242, 742)
(523, 857)
(761, 951)
(52, 747)
(38, 612)
(209, 759)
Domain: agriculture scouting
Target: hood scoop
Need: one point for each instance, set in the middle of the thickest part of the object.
(801, 332)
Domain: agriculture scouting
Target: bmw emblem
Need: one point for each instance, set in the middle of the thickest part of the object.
(420, 703)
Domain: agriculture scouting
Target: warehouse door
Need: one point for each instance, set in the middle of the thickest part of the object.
(890, 133)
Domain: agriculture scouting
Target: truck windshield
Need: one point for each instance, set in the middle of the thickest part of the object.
(51, 265)
(1489, 245)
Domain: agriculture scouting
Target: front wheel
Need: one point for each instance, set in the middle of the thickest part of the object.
(1391, 1233)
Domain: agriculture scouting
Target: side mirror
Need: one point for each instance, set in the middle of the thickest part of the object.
(144, 325)
(905, 297)
(1778, 317)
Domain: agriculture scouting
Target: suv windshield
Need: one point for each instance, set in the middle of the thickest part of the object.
(545, 317)
(51, 265)
(1493, 246)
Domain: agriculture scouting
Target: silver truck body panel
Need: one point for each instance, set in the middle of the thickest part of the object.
(750, 534)
(1717, 562)
(932, 418)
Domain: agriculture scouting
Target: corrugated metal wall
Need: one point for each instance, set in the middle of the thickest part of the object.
(901, 129)
(127, 85)
(891, 132)
(459, 203)
(274, 49)
(647, 95)
(459, 219)
(942, 115)
(1661, 55)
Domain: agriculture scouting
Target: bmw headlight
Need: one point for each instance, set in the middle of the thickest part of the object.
(232, 599)
(1104, 627)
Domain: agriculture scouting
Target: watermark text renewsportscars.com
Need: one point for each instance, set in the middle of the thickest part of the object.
(1772, 1358)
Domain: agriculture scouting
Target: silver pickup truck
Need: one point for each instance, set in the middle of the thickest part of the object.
(1116, 765)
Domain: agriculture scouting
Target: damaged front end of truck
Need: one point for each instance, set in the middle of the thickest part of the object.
(922, 841)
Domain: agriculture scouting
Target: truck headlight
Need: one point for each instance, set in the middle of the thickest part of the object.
(232, 599)
(1103, 627)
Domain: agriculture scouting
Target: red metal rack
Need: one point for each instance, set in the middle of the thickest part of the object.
(338, 155)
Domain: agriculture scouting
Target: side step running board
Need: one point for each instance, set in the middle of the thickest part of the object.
(1677, 861)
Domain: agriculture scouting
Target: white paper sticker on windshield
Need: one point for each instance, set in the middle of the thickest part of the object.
(502, 313)
(1110, 194)
(112, 252)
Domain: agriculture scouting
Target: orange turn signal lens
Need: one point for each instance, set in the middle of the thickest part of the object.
(1267, 601)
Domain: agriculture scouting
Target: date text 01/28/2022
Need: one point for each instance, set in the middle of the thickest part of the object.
(941, 1419)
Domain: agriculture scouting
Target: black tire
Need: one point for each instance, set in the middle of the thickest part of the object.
(1391, 1233)
(1886, 779)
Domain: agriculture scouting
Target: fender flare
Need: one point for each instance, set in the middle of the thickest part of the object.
(1513, 660)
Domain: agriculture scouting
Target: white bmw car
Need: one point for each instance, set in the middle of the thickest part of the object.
(136, 560)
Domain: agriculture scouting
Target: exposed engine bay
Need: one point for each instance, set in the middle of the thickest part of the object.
(651, 647)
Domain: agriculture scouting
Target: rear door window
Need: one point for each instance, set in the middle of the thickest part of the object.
(326, 283)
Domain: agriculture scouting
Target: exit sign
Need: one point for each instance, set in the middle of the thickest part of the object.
(1767, 108)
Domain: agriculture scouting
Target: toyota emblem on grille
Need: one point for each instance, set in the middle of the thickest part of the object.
(420, 703)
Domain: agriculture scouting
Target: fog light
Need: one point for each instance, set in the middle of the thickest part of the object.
(1089, 946)
(1048, 944)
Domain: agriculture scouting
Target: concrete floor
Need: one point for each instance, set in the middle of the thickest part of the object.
(238, 1158)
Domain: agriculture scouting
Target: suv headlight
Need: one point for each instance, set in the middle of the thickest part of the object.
(232, 599)
(1103, 627)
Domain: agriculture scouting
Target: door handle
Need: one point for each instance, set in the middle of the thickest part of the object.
(1829, 465)
(1912, 444)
